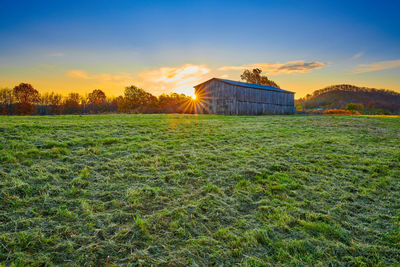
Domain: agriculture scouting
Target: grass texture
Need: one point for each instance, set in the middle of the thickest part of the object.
(199, 190)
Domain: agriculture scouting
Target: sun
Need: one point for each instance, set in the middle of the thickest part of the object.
(194, 97)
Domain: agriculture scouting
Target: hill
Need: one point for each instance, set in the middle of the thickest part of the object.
(338, 96)
(178, 190)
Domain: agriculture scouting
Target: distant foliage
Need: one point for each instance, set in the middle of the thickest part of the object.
(341, 112)
(25, 96)
(255, 76)
(136, 97)
(355, 107)
(24, 100)
(96, 102)
(350, 97)
(6, 101)
(173, 103)
(49, 103)
(96, 97)
(71, 104)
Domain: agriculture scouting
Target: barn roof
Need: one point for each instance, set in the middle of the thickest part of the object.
(248, 85)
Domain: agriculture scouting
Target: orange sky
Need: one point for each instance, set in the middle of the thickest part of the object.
(298, 76)
(170, 46)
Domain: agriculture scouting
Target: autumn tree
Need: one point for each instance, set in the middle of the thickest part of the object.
(255, 76)
(136, 97)
(25, 96)
(96, 97)
(174, 102)
(55, 101)
(71, 104)
(50, 103)
(6, 101)
(96, 102)
(122, 104)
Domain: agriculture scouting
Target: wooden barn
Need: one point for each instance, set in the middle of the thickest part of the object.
(219, 96)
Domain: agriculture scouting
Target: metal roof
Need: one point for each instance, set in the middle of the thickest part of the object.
(249, 85)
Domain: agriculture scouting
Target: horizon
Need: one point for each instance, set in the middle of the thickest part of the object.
(168, 47)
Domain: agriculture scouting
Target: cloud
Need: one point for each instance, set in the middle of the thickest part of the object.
(358, 55)
(104, 77)
(279, 68)
(77, 74)
(178, 79)
(381, 65)
(300, 66)
(56, 55)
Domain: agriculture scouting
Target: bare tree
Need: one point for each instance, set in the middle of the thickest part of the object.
(71, 104)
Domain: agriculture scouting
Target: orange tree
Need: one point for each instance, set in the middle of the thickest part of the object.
(26, 96)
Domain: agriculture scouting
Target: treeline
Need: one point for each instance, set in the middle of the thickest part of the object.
(344, 96)
(23, 99)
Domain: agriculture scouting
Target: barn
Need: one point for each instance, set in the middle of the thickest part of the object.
(219, 96)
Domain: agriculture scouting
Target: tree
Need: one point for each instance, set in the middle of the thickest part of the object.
(355, 107)
(55, 103)
(136, 97)
(26, 96)
(174, 102)
(96, 97)
(50, 103)
(255, 76)
(351, 97)
(6, 101)
(122, 104)
(96, 101)
(71, 103)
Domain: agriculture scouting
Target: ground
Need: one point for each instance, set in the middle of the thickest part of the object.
(205, 190)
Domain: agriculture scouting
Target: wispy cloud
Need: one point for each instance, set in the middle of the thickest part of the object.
(161, 80)
(381, 65)
(279, 68)
(181, 79)
(358, 55)
(77, 74)
(178, 79)
(105, 77)
(56, 54)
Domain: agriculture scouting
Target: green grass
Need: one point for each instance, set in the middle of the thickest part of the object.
(201, 190)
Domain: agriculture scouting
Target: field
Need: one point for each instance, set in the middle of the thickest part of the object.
(199, 190)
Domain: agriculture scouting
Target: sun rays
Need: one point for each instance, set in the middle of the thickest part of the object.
(196, 104)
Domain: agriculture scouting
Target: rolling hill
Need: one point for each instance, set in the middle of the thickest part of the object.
(338, 96)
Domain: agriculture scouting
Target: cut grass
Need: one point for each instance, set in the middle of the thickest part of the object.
(202, 190)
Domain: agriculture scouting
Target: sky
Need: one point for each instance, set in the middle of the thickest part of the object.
(170, 46)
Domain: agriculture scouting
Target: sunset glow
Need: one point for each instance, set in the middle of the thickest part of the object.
(102, 47)
(204, 133)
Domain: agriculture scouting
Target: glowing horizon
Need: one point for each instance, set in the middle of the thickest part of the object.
(164, 50)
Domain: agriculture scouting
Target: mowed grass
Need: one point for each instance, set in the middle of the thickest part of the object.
(199, 190)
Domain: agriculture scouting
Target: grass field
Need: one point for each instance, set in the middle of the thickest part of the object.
(205, 190)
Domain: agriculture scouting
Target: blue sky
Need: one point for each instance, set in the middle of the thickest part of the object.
(167, 46)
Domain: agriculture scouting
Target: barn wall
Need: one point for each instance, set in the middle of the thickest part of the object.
(221, 98)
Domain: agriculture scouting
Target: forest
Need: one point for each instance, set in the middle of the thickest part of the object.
(24, 99)
(344, 99)
(352, 98)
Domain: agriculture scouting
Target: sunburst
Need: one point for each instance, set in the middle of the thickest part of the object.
(196, 104)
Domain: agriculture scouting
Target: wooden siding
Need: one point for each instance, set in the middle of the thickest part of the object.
(218, 97)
